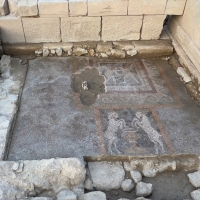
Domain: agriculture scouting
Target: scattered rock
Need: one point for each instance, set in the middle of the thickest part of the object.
(194, 179)
(92, 52)
(118, 53)
(195, 194)
(53, 51)
(104, 55)
(127, 185)
(144, 189)
(80, 51)
(108, 53)
(127, 166)
(66, 195)
(106, 175)
(132, 52)
(103, 47)
(69, 53)
(88, 184)
(59, 51)
(123, 45)
(45, 52)
(93, 196)
(181, 71)
(38, 52)
(136, 176)
(15, 166)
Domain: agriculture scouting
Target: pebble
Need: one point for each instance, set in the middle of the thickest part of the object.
(59, 52)
(136, 176)
(144, 189)
(45, 52)
(127, 185)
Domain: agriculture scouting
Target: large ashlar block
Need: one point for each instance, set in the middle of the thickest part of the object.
(53, 8)
(3, 7)
(76, 29)
(152, 27)
(116, 28)
(175, 7)
(28, 8)
(150, 7)
(11, 30)
(107, 7)
(41, 29)
(78, 7)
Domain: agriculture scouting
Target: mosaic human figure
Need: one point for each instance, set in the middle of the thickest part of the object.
(111, 132)
(142, 121)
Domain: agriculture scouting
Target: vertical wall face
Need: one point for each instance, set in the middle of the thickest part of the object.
(186, 29)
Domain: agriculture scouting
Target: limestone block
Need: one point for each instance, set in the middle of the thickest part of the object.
(28, 8)
(76, 29)
(13, 6)
(3, 7)
(38, 30)
(11, 30)
(152, 27)
(117, 28)
(104, 8)
(175, 7)
(150, 7)
(77, 7)
(53, 8)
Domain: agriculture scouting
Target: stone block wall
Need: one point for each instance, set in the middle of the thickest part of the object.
(33, 21)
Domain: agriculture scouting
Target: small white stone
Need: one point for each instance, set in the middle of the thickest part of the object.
(15, 166)
(45, 52)
(92, 52)
(195, 195)
(132, 52)
(136, 176)
(80, 51)
(127, 185)
(66, 195)
(59, 51)
(20, 168)
(93, 196)
(127, 166)
(144, 189)
(104, 55)
(88, 184)
(142, 198)
(181, 71)
(69, 53)
(194, 179)
(53, 51)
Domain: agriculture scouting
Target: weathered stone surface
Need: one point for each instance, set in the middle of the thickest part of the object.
(175, 7)
(142, 198)
(105, 8)
(11, 30)
(127, 185)
(127, 166)
(4, 8)
(136, 176)
(144, 189)
(79, 51)
(66, 46)
(105, 175)
(53, 8)
(76, 29)
(41, 29)
(194, 179)
(103, 47)
(152, 27)
(78, 7)
(195, 195)
(28, 8)
(66, 195)
(88, 184)
(93, 196)
(118, 53)
(152, 7)
(13, 6)
(181, 71)
(59, 51)
(45, 52)
(132, 52)
(129, 28)
(104, 55)
(123, 45)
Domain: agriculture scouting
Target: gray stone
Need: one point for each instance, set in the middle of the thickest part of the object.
(194, 179)
(59, 51)
(127, 166)
(195, 195)
(142, 198)
(88, 184)
(93, 196)
(5, 66)
(45, 52)
(66, 195)
(127, 185)
(118, 53)
(144, 189)
(103, 47)
(41, 198)
(181, 71)
(106, 175)
(136, 176)
(132, 52)
(79, 51)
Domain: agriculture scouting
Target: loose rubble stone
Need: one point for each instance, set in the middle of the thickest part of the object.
(103, 47)
(136, 176)
(118, 53)
(144, 189)
(80, 51)
(195, 194)
(59, 51)
(88, 184)
(104, 55)
(39, 52)
(45, 52)
(181, 71)
(106, 175)
(123, 45)
(92, 52)
(132, 52)
(93, 196)
(53, 51)
(127, 166)
(66, 195)
(194, 179)
(69, 53)
(127, 185)
(142, 198)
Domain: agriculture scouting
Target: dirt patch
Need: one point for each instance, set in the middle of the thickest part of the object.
(94, 85)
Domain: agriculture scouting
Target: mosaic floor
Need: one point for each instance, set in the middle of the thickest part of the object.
(144, 111)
